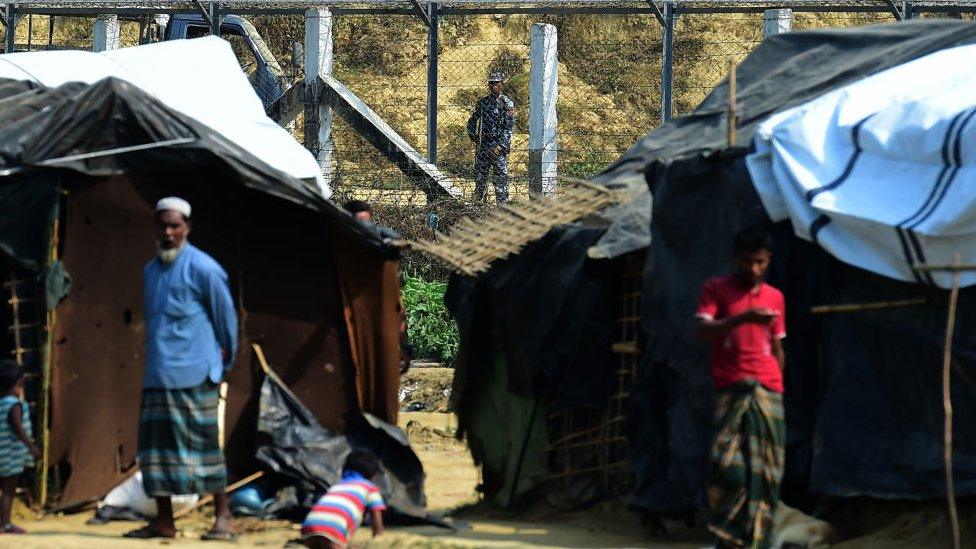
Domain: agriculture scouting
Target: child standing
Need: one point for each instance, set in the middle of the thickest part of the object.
(335, 516)
(17, 449)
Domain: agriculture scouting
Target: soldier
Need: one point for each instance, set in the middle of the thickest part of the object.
(490, 127)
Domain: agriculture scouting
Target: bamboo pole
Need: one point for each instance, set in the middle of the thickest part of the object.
(47, 365)
(872, 306)
(956, 267)
(947, 405)
(209, 497)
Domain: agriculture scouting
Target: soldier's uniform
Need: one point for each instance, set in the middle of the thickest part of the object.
(491, 126)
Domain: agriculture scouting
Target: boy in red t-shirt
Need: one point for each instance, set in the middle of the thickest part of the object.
(744, 319)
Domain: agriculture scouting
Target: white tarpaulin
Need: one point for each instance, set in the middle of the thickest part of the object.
(200, 78)
(880, 173)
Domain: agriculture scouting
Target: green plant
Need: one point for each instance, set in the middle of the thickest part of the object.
(430, 329)
(583, 169)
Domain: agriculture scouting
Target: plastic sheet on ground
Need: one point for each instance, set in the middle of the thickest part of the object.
(131, 495)
(293, 444)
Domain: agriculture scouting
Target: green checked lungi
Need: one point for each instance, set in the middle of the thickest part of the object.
(746, 465)
(179, 441)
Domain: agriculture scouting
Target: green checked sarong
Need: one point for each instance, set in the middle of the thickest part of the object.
(179, 441)
(746, 465)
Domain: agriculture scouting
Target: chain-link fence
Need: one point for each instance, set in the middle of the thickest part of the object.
(706, 46)
(52, 32)
(609, 92)
(383, 60)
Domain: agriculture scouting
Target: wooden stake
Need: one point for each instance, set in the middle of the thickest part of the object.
(732, 113)
(947, 404)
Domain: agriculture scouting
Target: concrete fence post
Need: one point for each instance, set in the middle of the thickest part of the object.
(543, 93)
(105, 34)
(778, 21)
(318, 114)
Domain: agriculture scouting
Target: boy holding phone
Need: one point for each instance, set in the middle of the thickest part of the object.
(744, 319)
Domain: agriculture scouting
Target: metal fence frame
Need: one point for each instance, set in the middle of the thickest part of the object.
(666, 12)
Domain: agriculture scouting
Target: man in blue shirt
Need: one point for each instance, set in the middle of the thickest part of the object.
(191, 338)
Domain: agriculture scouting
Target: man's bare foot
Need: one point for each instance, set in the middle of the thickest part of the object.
(224, 523)
(223, 530)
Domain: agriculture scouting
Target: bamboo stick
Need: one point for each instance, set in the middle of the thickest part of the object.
(572, 473)
(954, 267)
(15, 312)
(17, 281)
(209, 497)
(259, 352)
(588, 431)
(947, 405)
(872, 306)
(625, 348)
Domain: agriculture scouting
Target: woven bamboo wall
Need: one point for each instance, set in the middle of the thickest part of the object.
(592, 444)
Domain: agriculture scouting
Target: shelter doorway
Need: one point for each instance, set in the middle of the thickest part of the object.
(588, 454)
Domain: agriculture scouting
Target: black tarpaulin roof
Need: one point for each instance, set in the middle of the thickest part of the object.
(43, 129)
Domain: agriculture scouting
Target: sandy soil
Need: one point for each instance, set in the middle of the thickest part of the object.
(452, 479)
(869, 524)
(427, 387)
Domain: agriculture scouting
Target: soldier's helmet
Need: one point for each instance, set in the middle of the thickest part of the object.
(496, 76)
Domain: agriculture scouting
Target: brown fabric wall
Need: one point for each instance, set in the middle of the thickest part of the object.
(281, 262)
(99, 338)
(293, 309)
(370, 305)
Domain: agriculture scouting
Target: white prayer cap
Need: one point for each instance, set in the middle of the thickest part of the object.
(174, 203)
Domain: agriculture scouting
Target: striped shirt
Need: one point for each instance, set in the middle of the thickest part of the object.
(338, 513)
(14, 454)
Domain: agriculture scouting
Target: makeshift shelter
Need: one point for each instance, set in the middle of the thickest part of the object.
(88, 143)
(549, 342)
(863, 402)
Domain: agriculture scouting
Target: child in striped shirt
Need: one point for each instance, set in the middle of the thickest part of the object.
(17, 450)
(335, 516)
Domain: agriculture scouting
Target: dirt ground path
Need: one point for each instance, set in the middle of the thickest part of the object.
(451, 483)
